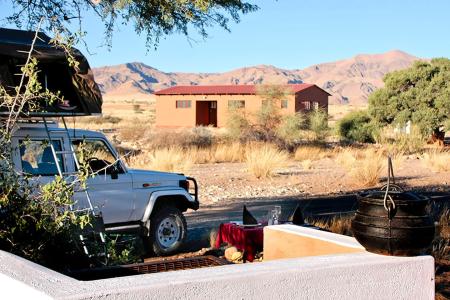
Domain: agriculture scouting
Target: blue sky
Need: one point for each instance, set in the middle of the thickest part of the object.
(288, 34)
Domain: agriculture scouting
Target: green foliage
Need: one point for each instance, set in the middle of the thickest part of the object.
(152, 18)
(268, 117)
(123, 249)
(237, 122)
(291, 128)
(318, 124)
(357, 126)
(420, 94)
(35, 222)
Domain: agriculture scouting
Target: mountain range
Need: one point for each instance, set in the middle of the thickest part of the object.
(349, 81)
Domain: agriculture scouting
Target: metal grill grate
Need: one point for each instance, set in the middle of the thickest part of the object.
(178, 264)
(149, 267)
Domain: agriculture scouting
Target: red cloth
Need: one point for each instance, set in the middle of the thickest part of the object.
(246, 239)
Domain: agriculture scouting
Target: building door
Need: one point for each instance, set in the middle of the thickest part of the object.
(213, 113)
(206, 113)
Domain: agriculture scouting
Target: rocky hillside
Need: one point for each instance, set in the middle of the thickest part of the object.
(349, 81)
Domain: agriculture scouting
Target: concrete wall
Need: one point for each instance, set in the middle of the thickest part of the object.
(360, 275)
(289, 241)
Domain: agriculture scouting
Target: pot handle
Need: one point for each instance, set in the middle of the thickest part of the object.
(390, 206)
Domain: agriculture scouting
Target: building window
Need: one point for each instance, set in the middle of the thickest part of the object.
(236, 104)
(183, 104)
(307, 105)
(284, 103)
(316, 105)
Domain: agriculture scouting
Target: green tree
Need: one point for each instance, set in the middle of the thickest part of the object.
(420, 94)
(268, 117)
(154, 18)
(357, 126)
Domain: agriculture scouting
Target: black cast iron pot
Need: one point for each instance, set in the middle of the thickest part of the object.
(403, 227)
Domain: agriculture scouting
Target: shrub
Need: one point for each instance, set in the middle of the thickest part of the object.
(356, 126)
(312, 153)
(318, 124)
(229, 153)
(237, 123)
(364, 167)
(437, 160)
(200, 137)
(411, 143)
(263, 160)
(174, 159)
(290, 128)
(134, 131)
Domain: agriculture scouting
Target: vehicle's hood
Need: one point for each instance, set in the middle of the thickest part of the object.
(153, 179)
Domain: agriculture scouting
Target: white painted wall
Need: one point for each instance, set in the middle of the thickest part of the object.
(346, 276)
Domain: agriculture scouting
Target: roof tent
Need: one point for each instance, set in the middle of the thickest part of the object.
(77, 86)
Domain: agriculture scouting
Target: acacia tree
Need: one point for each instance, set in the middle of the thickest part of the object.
(420, 94)
(153, 18)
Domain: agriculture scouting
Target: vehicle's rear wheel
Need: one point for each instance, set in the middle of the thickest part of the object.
(168, 231)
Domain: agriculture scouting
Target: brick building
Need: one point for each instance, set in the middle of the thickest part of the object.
(189, 106)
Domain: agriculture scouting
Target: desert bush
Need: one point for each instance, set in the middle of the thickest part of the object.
(437, 160)
(200, 136)
(318, 124)
(307, 164)
(237, 123)
(410, 143)
(263, 159)
(291, 128)
(233, 152)
(401, 142)
(133, 131)
(363, 166)
(200, 155)
(174, 159)
(310, 152)
(357, 126)
(184, 138)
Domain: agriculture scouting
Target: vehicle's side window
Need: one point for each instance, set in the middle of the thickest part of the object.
(99, 157)
(37, 157)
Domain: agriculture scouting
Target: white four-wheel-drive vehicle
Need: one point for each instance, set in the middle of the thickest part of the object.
(148, 203)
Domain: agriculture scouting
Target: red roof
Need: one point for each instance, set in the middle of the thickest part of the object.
(223, 89)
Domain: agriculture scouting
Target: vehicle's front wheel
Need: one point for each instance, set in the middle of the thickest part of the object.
(168, 230)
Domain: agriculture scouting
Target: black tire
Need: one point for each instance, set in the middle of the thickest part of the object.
(166, 239)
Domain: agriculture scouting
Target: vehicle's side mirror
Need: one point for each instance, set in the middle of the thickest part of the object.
(114, 171)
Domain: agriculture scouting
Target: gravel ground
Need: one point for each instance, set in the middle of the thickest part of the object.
(220, 183)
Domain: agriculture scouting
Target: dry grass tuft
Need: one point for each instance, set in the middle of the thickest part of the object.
(307, 164)
(364, 166)
(310, 153)
(168, 160)
(263, 159)
(234, 152)
(437, 160)
(337, 224)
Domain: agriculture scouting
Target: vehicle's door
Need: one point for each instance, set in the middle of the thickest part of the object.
(110, 187)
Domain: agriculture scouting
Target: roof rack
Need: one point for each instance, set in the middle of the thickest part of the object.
(33, 122)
